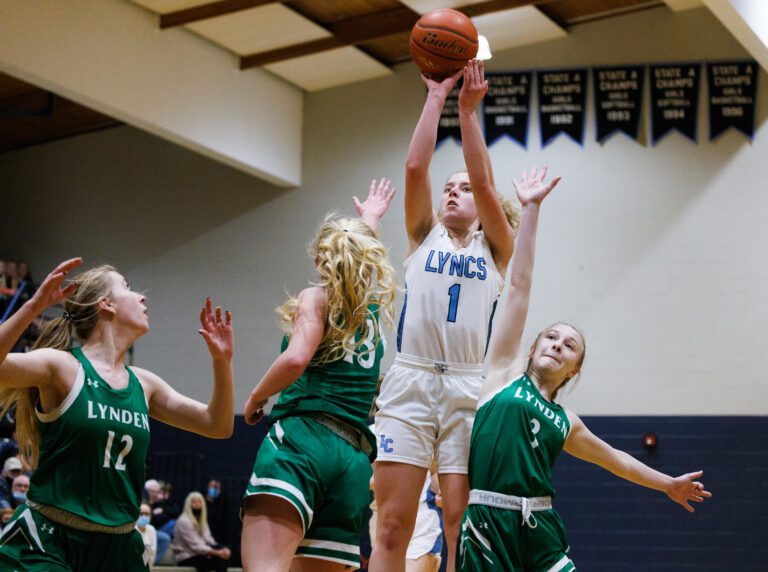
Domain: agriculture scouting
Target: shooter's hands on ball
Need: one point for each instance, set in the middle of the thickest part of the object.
(441, 87)
(474, 88)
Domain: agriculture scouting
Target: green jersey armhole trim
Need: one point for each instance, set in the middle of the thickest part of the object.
(133, 374)
(68, 401)
(489, 397)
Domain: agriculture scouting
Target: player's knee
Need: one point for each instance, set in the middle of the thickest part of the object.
(393, 532)
(452, 518)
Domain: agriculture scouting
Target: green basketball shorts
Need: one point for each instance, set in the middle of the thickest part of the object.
(324, 477)
(496, 539)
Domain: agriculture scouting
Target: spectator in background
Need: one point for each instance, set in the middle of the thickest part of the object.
(5, 516)
(215, 508)
(19, 490)
(11, 470)
(24, 274)
(25, 280)
(11, 279)
(148, 533)
(5, 282)
(164, 514)
(193, 543)
(5, 291)
(22, 292)
(8, 445)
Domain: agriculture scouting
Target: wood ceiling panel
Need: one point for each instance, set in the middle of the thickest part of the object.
(329, 69)
(424, 6)
(575, 11)
(392, 49)
(11, 87)
(265, 28)
(166, 6)
(40, 116)
(331, 11)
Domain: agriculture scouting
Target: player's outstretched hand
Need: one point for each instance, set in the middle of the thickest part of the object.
(686, 488)
(376, 204)
(216, 329)
(51, 291)
(475, 86)
(531, 187)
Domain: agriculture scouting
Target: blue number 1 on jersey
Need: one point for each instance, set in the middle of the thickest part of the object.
(453, 292)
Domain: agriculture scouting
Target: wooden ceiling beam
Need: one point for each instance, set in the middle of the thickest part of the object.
(211, 10)
(290, 52)
(491, 6)
(369, 27)
(376, 25)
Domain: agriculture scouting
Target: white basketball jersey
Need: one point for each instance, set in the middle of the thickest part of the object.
(450, 299)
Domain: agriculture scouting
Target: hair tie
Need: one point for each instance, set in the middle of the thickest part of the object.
(69, 316)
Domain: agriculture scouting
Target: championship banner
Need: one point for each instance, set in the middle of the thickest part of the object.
(562, 97)
(449, 118)
(507, 106)
(732, 93)
(618, 100)
(674, 99)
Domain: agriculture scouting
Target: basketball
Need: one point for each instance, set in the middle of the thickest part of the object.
(442, 42)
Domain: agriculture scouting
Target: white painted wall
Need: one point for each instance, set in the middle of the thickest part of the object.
(655, 252)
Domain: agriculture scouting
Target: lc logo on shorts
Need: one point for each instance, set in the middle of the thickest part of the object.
(385, 442)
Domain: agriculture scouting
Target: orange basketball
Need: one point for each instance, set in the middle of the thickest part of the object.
(442, 42)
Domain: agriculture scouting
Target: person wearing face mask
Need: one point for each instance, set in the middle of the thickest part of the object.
(193, 544)
(148, 534)
(11, 470)
(216, 507)
(19, 490)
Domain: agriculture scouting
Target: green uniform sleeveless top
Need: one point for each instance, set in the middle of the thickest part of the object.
(516, 438)
(344, 388)
(93, 449)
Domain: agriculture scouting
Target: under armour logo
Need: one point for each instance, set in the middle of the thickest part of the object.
(385, 443)
(47, 528)
(93, 384)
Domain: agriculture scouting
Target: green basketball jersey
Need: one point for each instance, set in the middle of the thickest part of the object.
(344, 388)
(516, 438)
(93, 449)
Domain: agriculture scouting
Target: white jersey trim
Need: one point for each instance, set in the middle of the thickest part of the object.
(329, 558)
(15, 528)
(560, 564)
(288, 487)
(68, 401)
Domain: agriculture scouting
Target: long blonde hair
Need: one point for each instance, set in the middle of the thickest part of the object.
(355, 272)
(510, 211)
(200, 523)
(81, 313)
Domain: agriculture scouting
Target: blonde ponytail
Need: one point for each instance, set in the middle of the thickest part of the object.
(356, 273)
